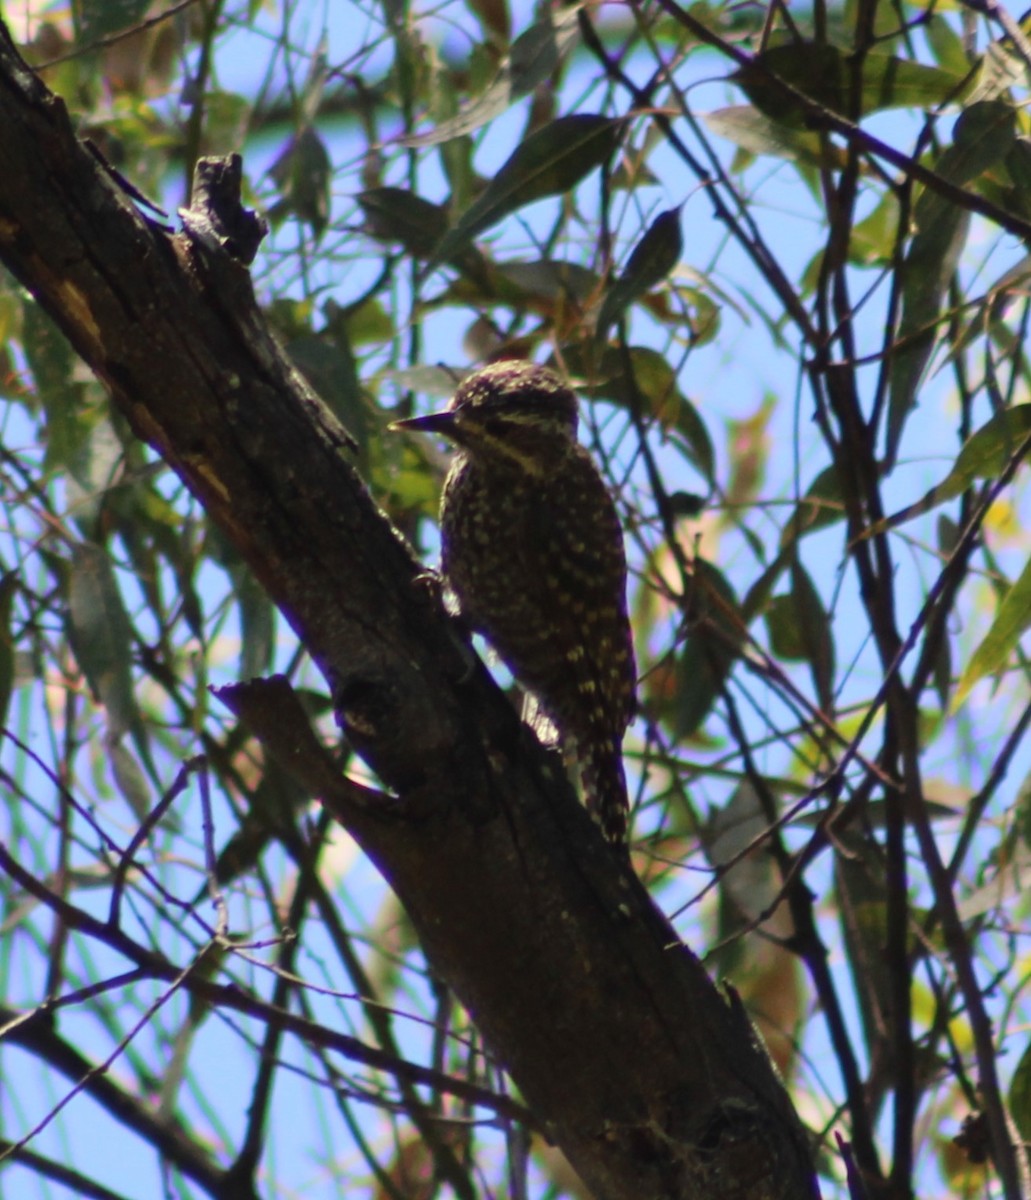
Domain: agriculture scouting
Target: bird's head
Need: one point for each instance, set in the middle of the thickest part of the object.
(512, 412)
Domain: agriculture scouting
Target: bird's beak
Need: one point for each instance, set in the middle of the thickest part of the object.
(438, 422)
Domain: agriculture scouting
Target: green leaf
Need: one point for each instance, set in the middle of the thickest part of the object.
(812, 68)
(652, 383)
(750, 129)
(710, 649)
(99, 18)
(8, 586)
(550, 162)
(101, 634)
(535, 57)
(783, 629)
(394, 214)
(650, 261)
(53, 364)
(999, 70)
(983, 135)
(327, 361)
(397, 215)
(1020, 1095)
(1018, 167)
(872, 243)
(821, 506)
(304, 174)
(551, 279)
(984, 315)
(1012, 618)
(50, 356)
(1004, 887)
(815, 631)
(686, 504)
(131, 781)
(367, 324)
(985, 455)
(687, 422)
(890, 82)
(93, 467)
(227, 121)
(257, 625)
(799, 629)
(494, 18)
(439, 381)
(704, 317)
(946, 45)
(750, 886)
(835, 81)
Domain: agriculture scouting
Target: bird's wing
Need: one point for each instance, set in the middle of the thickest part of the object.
(575, 541)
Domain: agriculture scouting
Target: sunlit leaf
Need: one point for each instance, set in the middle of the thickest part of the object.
(999, 70)
(749, 445)
(946, 44)
(985, 455)
(1005, 886)
(873, 238)
(757, 133)
(1012, 618)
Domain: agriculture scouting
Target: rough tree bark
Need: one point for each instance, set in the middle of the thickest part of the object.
(648, 1077)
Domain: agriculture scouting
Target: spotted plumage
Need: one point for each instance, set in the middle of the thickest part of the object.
(533, 549)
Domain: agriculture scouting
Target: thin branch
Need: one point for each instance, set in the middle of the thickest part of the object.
(231, 997)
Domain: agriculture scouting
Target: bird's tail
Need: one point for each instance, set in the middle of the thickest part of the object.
(604, 784)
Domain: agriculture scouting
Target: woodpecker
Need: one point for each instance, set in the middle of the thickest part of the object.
(532, 547)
